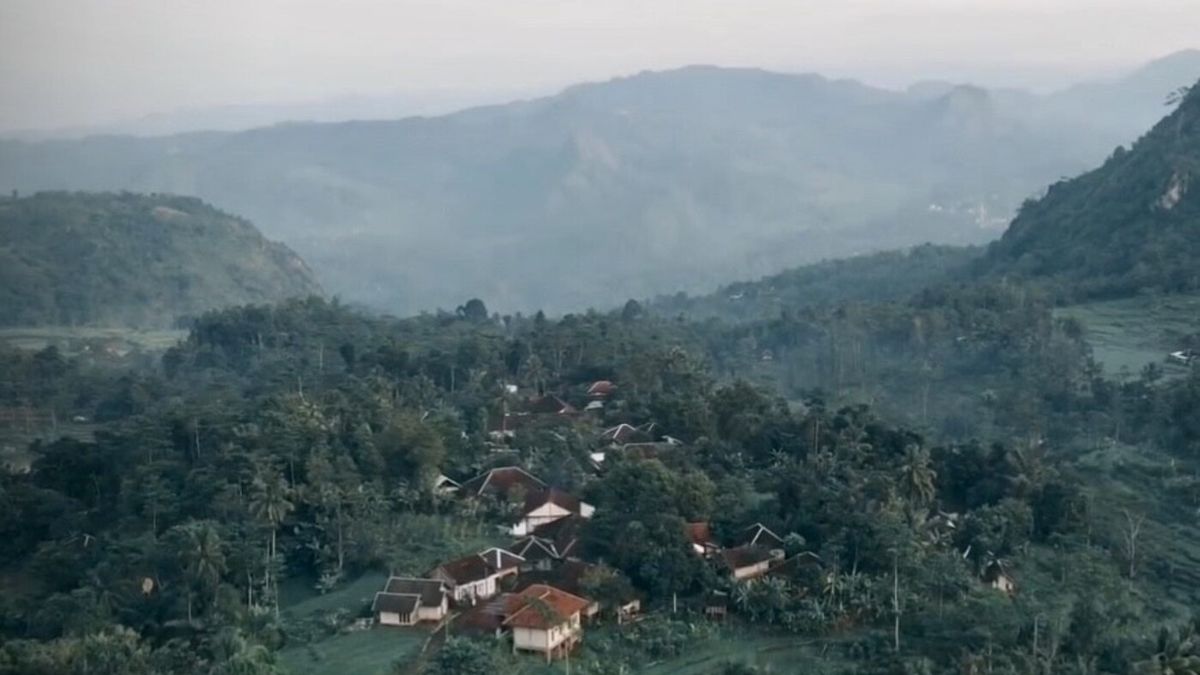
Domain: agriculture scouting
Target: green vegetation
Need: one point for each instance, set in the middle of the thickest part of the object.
(124, 260)
(1130, 334)
(1126, 228)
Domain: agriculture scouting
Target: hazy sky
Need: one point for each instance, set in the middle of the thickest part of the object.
(70, 62)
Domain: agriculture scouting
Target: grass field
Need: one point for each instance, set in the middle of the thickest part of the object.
(776, 654)
(365, 651)
(1130, 333)
(70, 339)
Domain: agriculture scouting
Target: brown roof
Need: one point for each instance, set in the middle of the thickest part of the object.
(551, 496)
(549, 405)
(533, 548)
(625, 433)
(502, 480)
(431, 591)
(745, 556)
(567, 576)
(760, 535)
(399, 603)
(542, 607)
(486, 617)
(564, 532)
(479, 566)
(698, 533)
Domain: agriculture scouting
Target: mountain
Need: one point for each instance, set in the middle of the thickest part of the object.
(1125, 106)
(134, 260)
(1130, 226)
(628, 188)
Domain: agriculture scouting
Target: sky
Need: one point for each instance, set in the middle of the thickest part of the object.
(91, 62)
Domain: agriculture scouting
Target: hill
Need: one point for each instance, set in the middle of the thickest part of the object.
(668, 180)
(134, 260)
(1125, 228)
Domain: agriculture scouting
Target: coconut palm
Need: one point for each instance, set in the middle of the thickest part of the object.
(917, 477)
(270, 504)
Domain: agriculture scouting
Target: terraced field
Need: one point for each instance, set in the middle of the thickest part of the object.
(1128, 334)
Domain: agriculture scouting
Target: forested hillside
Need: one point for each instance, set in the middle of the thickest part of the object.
(134, 260)
(669, 180)
(1131, 226)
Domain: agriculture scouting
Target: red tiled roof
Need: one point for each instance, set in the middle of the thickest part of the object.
(542, 607)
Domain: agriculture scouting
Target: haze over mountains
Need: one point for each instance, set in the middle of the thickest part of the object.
(654, 183)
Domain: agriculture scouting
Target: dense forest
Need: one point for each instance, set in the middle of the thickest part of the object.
(300, 442)
(111, 259)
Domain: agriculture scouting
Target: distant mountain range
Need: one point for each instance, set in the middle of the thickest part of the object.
(642, 185)
(134, 260)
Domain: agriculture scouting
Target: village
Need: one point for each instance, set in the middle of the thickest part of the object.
(542, 591)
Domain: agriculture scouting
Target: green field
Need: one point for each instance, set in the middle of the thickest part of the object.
(366, 652)
(777, 654)
(1128, 334)
(71, 339)
(363, 651)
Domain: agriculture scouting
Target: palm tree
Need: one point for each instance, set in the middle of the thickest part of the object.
(269, 503)
(917, 478)
(1177, 654)
(203, 558)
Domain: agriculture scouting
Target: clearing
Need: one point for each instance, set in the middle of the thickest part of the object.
(1128, 334)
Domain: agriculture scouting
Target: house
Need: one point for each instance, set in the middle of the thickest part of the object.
(803, 568)
(621, 434)
(485, 618)
(749, 562)
(568, 576)
(760, 535)
(537, 553)
(444, 485)
(1186, 356)
(546, 506)
(716, 605)
(477, 577)
(406, 601)
(545, 620)
(700, 536)
(548, 405)
(502, 482)
(564, 533)
(601, 390)
(996, 575)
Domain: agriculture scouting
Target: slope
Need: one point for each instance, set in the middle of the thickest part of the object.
(1128, 227)
(666, 181)
(134, 260)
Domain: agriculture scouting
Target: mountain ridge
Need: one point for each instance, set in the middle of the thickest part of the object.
(123, 259)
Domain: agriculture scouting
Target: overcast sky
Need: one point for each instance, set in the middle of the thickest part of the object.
(73, 62)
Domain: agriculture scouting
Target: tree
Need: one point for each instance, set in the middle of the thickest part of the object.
(270, 504)
(459, 656)
(474, 311)
(203, 558)
(918, 479)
